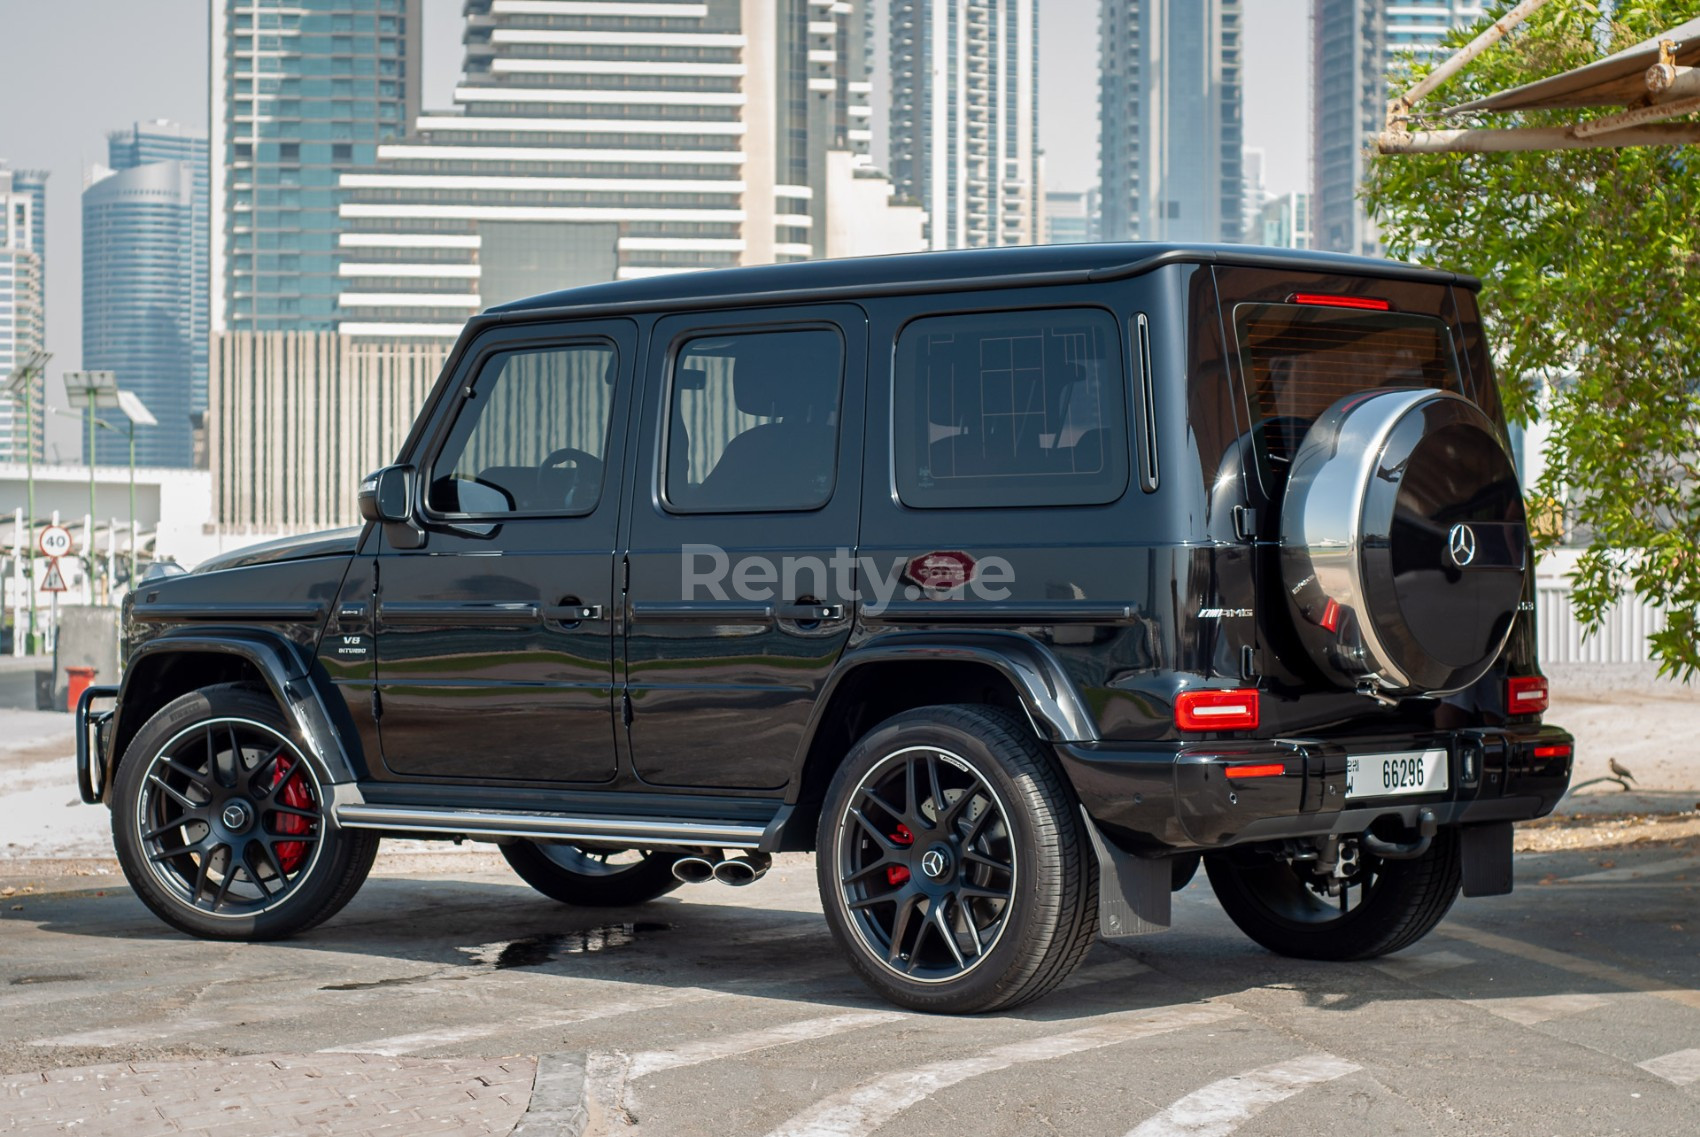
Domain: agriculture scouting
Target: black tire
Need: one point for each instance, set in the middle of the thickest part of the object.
(591, 878)
(1014, 877)
(219, 821)
(1396, 904)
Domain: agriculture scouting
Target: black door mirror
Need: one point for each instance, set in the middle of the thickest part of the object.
(387, 495)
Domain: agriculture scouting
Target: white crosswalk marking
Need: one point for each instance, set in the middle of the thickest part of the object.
(1680, 1069)
(1222, 1107)
(712, 1049)
(1532, 1009)
(1635, 872)
(863, 1109)
(1410, 965)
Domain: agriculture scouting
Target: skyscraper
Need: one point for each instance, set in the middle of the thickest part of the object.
(964, 118)
(23, 239)
(302, 90)
(598, 141)
(1170, 123)
(145, 299)
(1355, 45)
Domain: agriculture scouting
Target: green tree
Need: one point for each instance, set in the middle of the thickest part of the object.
(1591, 273)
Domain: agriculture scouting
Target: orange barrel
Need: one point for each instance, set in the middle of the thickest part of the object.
(79, 679)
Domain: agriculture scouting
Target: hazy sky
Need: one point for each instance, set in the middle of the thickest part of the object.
(75, 69)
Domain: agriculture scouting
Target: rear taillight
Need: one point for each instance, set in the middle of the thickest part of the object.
(1217, 710)
(1261, 770)
(1555, 751)
(1525, 694)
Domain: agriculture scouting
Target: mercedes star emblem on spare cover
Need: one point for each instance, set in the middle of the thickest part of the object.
(1461, 544)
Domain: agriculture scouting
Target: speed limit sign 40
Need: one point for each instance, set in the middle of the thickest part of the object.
(55, 541)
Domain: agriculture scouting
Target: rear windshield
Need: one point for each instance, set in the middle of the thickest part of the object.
(1299, 360)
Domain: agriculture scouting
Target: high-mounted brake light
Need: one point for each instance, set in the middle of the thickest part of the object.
(1525, 695)
(1266, 770)
(1217, 710)
(1325, 300)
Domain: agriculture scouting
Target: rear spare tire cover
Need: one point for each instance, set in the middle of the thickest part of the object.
(1404, 545)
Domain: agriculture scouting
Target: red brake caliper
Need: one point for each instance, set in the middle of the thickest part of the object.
(898, 874)
(296, 796)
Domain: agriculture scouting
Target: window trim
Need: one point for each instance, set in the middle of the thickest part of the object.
(465, 394)
(1128, 396)
(664, 427)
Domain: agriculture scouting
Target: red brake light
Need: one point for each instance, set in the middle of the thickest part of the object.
(1268, 770)
(1557, 751)
(1217, 710)
(1324, 300)
(1525, 694)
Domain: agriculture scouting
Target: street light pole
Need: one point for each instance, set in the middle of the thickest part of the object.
(88, 391)
(22, 382)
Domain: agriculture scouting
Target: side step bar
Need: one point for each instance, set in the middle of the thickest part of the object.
(493, 823)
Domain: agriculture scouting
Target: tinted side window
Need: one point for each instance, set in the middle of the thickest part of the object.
(1011, 409)
(532, 436)
(753, 422)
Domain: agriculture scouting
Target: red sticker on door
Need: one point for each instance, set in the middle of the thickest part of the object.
(940, 572)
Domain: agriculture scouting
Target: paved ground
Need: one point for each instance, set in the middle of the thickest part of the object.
(1569, 1008)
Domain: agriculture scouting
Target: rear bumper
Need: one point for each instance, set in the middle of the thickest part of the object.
(1176, 796)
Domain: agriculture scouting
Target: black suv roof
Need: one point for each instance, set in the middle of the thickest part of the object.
(954, 270)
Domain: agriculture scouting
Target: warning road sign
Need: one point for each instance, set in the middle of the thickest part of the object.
(55, 541)
(54, 581)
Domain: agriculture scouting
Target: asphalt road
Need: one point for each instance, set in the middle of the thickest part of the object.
(1569, 1008)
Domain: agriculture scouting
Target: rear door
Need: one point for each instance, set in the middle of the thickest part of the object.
(742, 535)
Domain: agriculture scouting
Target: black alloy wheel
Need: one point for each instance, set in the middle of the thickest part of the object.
(593, 876)
(1382, 907)
(952, 865)
(220, 821)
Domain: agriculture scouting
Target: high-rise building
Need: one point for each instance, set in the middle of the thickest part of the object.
(1355, 46)
(1170, 128)
(1071, 216)
(1284, 222)
(598, 141)
(23, 262)
(963, 127)
(302, 90)
(145, 284)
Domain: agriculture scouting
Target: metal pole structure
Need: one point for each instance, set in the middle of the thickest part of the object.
(1399, 110)
(132, 505)
(88, 538)
(29, 477)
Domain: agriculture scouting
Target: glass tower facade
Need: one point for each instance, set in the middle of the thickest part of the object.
(1355, 46)
(1171, 134)
(145, 303)
(964, 118)
(302, 91)
(23, 239)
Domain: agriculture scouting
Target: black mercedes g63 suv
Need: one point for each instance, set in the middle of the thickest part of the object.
(1012, 582)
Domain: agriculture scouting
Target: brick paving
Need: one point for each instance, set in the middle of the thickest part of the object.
(349, 1095)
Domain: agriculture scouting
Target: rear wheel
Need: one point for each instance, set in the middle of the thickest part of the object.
(221, 823)
(1381, 908)
(953, 869)
(592, 876)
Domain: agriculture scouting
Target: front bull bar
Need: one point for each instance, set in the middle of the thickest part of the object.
(87, 754)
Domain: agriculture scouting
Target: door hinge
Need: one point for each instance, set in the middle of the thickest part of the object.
(626, 709)
(377, 705)
(1245, 522)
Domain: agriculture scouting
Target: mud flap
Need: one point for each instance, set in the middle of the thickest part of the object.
(1486, 851)
(1133, 892)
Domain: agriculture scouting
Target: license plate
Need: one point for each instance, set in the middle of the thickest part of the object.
(1394, 775)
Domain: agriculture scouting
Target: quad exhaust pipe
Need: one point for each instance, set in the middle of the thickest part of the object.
(736, 871)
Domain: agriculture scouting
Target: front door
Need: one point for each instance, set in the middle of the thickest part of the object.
(741, 537)
(495, 659)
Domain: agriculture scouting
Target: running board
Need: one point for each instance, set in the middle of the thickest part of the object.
(556, 826)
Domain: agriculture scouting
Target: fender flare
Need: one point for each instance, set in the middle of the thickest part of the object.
(286, 672)
(1053, 703)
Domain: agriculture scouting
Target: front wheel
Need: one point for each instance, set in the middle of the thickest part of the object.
(591, 876)
(1381, 908)
(222, 825)
(953, 868)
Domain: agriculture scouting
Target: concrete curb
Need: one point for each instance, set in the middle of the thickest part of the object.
(560, 1106)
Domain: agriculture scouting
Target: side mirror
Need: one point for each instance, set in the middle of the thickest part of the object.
(387, 495)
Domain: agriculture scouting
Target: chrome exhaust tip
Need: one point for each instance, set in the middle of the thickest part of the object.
(693, 870)
(740, 871)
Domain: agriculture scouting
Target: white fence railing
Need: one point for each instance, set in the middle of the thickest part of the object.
(1624, 637)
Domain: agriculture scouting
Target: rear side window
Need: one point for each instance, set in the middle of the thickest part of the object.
(1299, 360)
(1010, 409)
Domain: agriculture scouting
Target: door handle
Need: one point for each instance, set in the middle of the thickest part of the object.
(573, 613)
(811, 613)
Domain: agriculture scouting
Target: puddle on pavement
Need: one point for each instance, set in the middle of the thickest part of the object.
(24, 980)
(529, 951)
